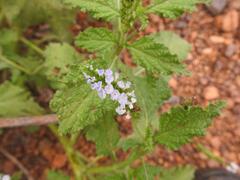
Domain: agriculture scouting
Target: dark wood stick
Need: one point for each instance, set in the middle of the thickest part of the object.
(27, 121)
(16, 162)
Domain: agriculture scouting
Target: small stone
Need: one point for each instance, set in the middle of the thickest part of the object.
(217, 39)
(207, 51)
(230, 50)
(181, 24)
(59, 161)
(154, 18)
(173, 83)
(211, 93)
(217, 6)
(230, 103)
(235, 4)
(216, 143)
(230, 21)
(236, 110)
(238, 80)
(204, 80)
(174, 100)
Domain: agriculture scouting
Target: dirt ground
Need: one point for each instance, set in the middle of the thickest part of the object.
(215, 65)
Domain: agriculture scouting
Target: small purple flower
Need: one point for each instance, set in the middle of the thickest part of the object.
(123, 99)
(99, 85)
(102, 94)
(115, 94)
(109, 89)
(121, 84)
(100, 72)
(108, 72)
(109, 79)
(120, 110)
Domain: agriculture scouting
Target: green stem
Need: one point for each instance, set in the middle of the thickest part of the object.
(210, 154)
(113, 62)
(77, 166)
(13, 64)
(32, 46)
(114, 167)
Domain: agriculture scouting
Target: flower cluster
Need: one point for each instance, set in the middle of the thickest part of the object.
(106, 83)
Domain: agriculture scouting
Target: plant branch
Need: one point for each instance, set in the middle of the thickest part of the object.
(76, 166)
(32, 46)
(26, 121)
(16, 162)
(13, 64)
(210, 154)
(104, 169)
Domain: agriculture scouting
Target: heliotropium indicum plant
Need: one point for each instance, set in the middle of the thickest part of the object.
(98, 90)
(93, 92)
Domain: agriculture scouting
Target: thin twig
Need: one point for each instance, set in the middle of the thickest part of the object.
(16, 162)
(27, 121)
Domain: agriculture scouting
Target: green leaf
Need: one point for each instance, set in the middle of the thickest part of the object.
(179, 173)
(174, 43)
(129, 142)
(77, 105)
(58, 59)
(178, 126)
(96, 40)
(173, 8)
(56, 175)
(106, 9)
(10, 9)
(151, 93)
(53, 12)
(105, 134)
(16, 101)
(8, 42)
(154, 57)
(145, 172)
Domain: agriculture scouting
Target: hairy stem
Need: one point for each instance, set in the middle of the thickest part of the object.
(210, 154)
(78, 166)
(15, 65)
(32, 46)
(118, 166)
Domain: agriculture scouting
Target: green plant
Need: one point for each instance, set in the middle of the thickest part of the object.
(91, 92)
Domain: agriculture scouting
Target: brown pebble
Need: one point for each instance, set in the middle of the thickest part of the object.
(238, 80)
(173, 83)
(215, 141)
(59, 161)
(230, 21)
(230, 50)
(211, 93)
